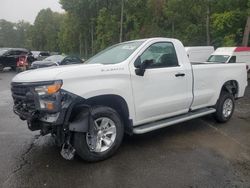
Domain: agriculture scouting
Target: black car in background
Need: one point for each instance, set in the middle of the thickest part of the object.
(10, 56)
(56, 60)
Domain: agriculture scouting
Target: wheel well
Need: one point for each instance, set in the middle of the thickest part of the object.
(231, 87)
(117, 103)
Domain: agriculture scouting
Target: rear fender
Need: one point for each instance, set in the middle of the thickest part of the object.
(231, 87)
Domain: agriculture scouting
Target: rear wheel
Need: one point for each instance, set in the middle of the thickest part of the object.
(224, 107)
(104, 140)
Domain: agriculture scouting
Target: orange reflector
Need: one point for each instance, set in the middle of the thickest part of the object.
(54, 88)
(50, 105)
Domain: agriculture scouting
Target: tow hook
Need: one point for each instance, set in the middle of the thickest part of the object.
(68, 151)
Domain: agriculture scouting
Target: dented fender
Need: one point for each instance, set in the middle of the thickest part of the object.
(83, 120)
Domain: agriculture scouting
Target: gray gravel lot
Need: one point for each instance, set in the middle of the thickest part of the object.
(198, 153)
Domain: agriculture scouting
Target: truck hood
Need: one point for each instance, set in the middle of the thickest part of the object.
(50, 73)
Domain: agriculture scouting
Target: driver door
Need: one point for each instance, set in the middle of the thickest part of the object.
(165, 89)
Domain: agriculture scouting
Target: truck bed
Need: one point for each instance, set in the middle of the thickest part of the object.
(209, 77)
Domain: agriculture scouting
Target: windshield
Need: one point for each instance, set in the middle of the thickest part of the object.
(218, 58)
(2, 52)
(54, 58)
(115, 54)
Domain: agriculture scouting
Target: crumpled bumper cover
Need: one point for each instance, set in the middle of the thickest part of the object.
(26, 106)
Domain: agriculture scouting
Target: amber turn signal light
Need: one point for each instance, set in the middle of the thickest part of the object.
(53, 88)
(49, 105)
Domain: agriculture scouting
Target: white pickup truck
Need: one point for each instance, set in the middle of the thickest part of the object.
(133, 87)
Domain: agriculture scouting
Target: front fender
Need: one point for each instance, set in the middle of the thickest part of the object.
(83, 119)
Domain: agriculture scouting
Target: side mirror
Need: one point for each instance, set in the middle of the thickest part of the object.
(141, 68)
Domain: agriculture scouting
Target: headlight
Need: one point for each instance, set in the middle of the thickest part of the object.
(49, 89)
(48, 96)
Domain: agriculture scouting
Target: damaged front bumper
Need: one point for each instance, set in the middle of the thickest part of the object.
(43, 109)
(50, 109)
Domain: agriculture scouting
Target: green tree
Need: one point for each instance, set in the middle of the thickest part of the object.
(69, 35)
(7, 34)
(46, 30)
(195, 22)
(228, 21)
(186, 20)
(107, 29)
(13, 34)
(22, 34)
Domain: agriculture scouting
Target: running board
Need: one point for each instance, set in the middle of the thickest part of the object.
(171, 121)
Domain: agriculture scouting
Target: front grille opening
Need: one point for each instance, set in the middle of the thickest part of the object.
(19, 90)
(21, 102)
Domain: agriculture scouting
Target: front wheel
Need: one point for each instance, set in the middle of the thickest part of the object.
(224, 107)
(105, 138)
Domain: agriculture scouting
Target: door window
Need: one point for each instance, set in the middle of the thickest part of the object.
(161, 54)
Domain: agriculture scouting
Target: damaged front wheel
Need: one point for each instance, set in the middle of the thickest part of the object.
(105, 137)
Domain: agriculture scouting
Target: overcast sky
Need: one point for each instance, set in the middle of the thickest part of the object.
(15, 10)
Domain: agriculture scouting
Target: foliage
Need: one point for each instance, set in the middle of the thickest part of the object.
(44, 34)
(68, 35)
(106, 29)
(14, 34)
(228, 26)
(87, 26)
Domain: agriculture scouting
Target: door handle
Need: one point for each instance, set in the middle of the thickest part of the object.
(180, 75)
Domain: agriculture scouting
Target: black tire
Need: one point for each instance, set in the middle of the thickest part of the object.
(219, 115)
(80, 141)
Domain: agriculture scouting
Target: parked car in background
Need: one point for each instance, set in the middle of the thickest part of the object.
(10, 56)
(199, 53)
(40, 55)
(56, 60)
(231, 55)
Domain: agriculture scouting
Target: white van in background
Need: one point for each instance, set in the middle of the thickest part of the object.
(231, 55)
(198, 54)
